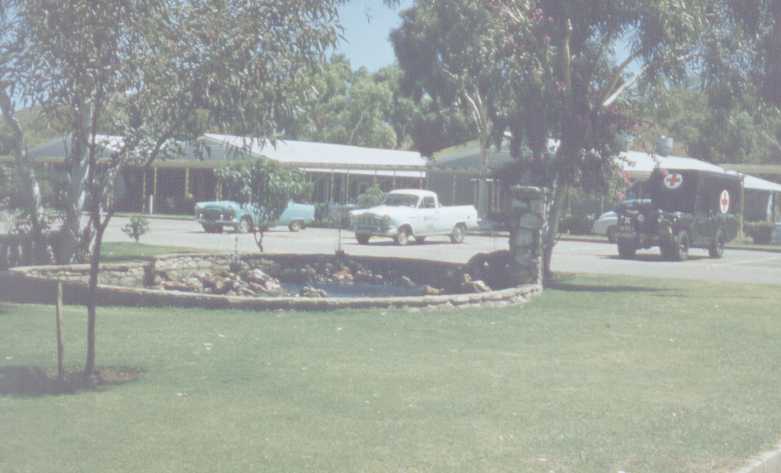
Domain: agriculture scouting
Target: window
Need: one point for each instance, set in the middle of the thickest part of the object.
(428, 203)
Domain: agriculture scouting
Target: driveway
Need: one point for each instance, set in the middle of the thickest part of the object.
(578, 257)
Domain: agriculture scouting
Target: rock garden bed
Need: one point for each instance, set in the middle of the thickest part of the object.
(260, 282)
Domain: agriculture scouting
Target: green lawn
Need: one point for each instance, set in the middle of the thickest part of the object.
(117, 252)
(600, 375)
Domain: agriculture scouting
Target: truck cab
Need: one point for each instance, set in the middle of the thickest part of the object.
(408, 214)
(681, 209)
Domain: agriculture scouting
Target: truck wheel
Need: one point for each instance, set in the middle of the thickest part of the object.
(457, 235)
(716, 249)
(626, 250)
(244, 226)
(296, 226)
(362, 239)
(680, 250)
(402, 239)
(420, 240)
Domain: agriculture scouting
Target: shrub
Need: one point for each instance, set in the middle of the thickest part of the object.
(760, 232)
(137, 227)
(372, 197)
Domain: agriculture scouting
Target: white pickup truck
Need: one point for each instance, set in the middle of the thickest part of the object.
(410, 214)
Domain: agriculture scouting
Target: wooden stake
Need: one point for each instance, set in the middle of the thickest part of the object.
(60, 346)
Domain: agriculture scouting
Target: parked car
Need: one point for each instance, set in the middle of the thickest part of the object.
(243, 218)
(408, 214)
(607, 223)
(687, 209)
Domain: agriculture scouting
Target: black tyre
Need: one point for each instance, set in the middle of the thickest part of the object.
(626, 249)
(420, 240)
(403, 237)
(363, 239)
(296, 226)
(680, 251)
(244, 226)
(458, 233)
(716, 249)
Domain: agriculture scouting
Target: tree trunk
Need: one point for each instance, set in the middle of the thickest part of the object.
(773, 72)
(76, 176)
(29, 182)
(94, 272)
(552, 233)
(482, 184)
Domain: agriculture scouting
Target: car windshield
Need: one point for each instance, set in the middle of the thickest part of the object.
(401, 200)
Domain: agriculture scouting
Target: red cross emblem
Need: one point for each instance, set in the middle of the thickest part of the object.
(724, 201)
(673, 181)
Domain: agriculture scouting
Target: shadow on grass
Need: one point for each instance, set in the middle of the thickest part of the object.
(575, 287)
(32, 381)
(652, 258)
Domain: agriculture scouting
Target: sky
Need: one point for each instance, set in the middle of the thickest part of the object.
(367, 25)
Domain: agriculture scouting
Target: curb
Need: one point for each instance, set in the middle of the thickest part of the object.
(37, 285)
(769, 462)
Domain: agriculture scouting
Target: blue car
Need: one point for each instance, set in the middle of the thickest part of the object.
(243, 218)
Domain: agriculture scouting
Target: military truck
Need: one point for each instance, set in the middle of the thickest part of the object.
(679, 210)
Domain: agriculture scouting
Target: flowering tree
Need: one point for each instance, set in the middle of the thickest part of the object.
(567, 84)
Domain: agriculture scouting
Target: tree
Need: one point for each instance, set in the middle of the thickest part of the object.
(568, 86)
(371, 197)
(446, 50)
(266, 185)
(346, 107)
(150, 72)
(743, 131)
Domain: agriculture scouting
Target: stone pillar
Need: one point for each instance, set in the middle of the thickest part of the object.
(527, 221)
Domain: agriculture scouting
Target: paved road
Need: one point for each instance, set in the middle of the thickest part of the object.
(599, 258)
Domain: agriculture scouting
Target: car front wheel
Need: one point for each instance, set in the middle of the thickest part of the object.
(296, 226)
(244, 226)
(362, 239)
(402, 239)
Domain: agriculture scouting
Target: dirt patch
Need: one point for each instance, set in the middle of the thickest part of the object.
(36, 381)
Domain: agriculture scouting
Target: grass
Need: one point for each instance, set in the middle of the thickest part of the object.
(155, 216)
(598, 375)
(117, 252)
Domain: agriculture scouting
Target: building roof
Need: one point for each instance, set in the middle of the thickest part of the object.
(772, 171)
(759, 184)
(58, 148)
(640, 165)
(305, 154)
(213, 150)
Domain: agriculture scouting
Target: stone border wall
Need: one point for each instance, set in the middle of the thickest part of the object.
(38, 285)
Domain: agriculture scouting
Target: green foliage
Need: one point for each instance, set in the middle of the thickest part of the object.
(760, 232)
(7, 186)
(265, 184)
(372, 197)
(357, 108)
(137, 227)
(707, 124)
